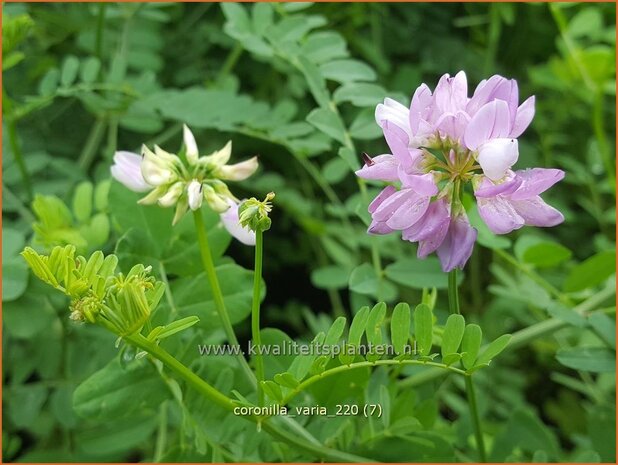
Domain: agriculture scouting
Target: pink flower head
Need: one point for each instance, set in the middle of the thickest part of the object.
(423, 199)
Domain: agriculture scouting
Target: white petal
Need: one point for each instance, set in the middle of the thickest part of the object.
(194, 194)
(172, 195)
(190, 144)
(496, 156)
(239, 171)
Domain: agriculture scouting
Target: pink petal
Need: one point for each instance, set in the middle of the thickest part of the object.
(409, 212)
(536, 212)
(453, 125)
(379, 228)
(524, 116)
(499, 215)
(383, 195)
(487, 188)
(384, 168)
(386, 209)
(433, 225)
(535, 181)
(398, 141)
(451, 94)
(420, 108)
(458, 244)
(483, 93)
(490, 122)
(127, 170)
(423, 184)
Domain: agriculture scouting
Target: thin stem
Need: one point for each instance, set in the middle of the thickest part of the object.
(19, 157)
(211, 274)
(228, 404)
(230, 61)
(353, 366)
(255, 314)
(100, 28)
(161, 442)
(453, 293)
(92, 144)
(453, 299)
(476, 421)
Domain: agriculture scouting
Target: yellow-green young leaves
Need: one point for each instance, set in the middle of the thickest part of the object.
(253, 214)
(120, 303)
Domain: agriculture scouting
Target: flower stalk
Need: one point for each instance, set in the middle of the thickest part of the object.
(211, 274)
(453, 301)
(255, 314)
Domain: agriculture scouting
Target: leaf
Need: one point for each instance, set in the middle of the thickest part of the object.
(193, 296)
(286, 379)
(373, 329)
(334, 333)
(423, 328)
(111, 392)
(347, 71)
(417, 274)
(90, 69)
(335, 170)
(546, 254)
(175, 327)
(330, 277)
(493, 349)
(453, 333)
(592, 359)
(591, 272)
(566, 314)
(328, 122)
(14, 278)
(358, 325)
(364, 126)
(68, 74)
(363, 280)
(605, 327)
(272, 390)
(82, 201)
(316, 84)
(262, 16)
(360, 94)
(471, 344)
(323, 46)
(302, 363)
(400, 327)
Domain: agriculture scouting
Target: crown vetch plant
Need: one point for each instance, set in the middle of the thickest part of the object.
(371, 356)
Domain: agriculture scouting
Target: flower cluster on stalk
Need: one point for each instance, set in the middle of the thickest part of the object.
(444, 141)
(187, 180)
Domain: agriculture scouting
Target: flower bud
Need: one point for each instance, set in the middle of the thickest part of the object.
(253, 214)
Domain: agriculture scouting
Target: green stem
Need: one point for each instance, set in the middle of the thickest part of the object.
(100, 27)
(453, 299)
(599, 132)
(230, 61)
(228, 404)
(453, 293)
(211, 273)
(92, 144)
(353, 366)
(161, 442)
(476, 421)
(255, 314)
(19, 157)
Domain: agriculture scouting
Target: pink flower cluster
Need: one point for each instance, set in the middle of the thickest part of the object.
(469, 134)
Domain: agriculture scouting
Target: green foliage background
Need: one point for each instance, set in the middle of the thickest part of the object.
(297, 84)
